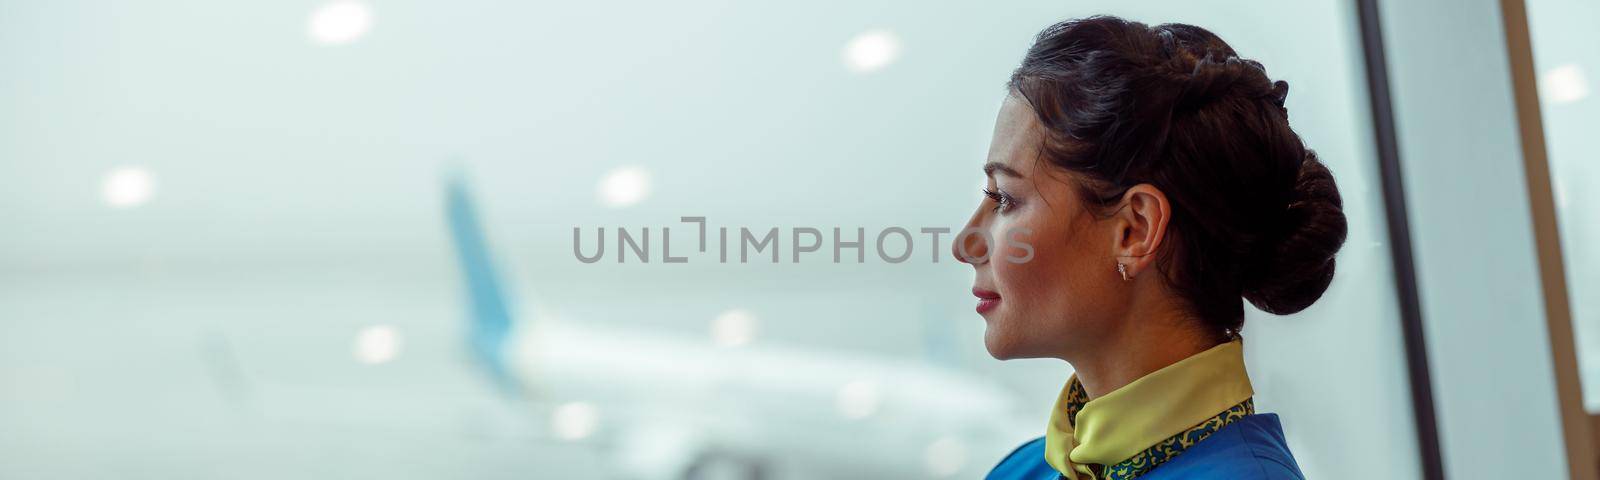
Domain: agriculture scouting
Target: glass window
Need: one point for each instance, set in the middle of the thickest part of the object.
(268, 239)
(1566, 65)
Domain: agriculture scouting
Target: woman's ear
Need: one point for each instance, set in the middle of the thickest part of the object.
(1141, 225)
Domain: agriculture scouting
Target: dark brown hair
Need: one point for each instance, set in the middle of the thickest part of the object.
(1255, 214)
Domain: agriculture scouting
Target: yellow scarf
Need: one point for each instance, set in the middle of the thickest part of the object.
(1204, 392)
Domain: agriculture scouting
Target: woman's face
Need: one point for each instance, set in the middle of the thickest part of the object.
(1062, 298)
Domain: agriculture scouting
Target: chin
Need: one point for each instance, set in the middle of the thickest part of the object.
(998, 346)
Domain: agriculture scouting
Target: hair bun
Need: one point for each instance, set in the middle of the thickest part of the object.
(1280, 92)
(1292, 269)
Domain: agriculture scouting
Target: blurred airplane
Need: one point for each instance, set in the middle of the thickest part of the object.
(673, 406)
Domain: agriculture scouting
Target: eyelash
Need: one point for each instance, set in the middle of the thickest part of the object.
(1002, 200)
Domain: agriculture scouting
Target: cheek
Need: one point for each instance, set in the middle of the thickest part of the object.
(1042, 282)
(1060, 285)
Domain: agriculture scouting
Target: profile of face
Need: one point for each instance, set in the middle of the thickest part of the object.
(1068, 294)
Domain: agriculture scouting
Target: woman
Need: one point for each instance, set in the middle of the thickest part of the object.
(1154, 179)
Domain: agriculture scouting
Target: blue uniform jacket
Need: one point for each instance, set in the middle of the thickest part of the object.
(1251, 448)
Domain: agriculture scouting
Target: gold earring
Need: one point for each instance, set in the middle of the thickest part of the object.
(1122, 269)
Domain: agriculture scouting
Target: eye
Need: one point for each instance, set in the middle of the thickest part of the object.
(1002, 201)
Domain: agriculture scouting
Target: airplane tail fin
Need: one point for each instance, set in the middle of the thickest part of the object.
(489, 312)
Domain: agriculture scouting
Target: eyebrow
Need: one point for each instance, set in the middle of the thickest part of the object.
(991, 167)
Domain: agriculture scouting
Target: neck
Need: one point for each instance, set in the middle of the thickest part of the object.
(1150, 340)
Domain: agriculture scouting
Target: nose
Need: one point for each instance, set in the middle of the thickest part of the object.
(970, 245)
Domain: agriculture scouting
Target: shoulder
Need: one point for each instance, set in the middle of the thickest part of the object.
(1026, 462)
(1252, 448)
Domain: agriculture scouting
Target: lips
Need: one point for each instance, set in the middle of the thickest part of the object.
(987, 299)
